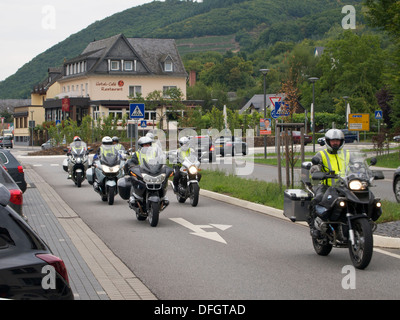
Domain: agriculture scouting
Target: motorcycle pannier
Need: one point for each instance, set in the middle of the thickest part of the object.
(296, 203)
(124, 187)
(89, 175)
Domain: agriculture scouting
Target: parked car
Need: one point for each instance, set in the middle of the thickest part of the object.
(204, 147)
(297, 135)
(48, 144)
(6, 142)
(396, 138)
(230, 145)
(25, 259)
(16, 196)
(14, 168)
(396, 184)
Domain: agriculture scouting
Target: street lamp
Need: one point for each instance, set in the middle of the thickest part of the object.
(264, 72)
(312, 80)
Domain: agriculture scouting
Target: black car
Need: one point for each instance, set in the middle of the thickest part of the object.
(28, 269)
(230, 145)
(16, 196)
(396, 184)
(204, 147)
(14, 168)
(6, 142)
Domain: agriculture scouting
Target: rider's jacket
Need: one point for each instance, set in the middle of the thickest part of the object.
(334, 162)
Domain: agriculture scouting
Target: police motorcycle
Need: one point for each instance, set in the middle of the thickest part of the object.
(105, 171)
(346, 215)
(188, 173)
(77, 161)
(145, 185)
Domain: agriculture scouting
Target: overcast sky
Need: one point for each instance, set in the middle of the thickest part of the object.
(30, 27)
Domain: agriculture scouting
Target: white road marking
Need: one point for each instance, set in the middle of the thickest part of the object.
(198, 229)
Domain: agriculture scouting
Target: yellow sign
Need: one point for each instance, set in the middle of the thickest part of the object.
(359, 121)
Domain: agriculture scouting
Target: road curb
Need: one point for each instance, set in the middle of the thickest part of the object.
(379, 241)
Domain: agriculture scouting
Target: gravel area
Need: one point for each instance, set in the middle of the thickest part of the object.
(389, 229)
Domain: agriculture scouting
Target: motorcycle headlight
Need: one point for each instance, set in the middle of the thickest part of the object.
(79, 160)
(108, 169)
(154, 180)
(357, 185)
(192, 170)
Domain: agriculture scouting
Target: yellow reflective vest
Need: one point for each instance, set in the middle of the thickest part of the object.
(335, 162)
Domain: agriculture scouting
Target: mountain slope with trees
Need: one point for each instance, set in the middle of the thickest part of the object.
(254, 22)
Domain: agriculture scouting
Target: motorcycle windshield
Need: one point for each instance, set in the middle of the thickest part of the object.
(190, 160)
(355, 167)
(152, 159)
(109, 156)
(78, 148)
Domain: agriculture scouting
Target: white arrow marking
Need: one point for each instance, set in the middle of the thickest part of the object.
(198, 229)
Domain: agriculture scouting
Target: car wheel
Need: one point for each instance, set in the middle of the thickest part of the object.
(397, 189)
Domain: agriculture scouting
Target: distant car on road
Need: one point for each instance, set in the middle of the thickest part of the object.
(349, 137)
(396, 184)
(14, 168)
(48, 144)
(297, 135)
(204, 147)
(6, 142)
(396, 138)
(26, 260)
(230, 145)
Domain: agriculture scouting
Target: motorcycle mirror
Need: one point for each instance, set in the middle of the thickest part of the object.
(378, 175)
(315, 160)
(373, 161)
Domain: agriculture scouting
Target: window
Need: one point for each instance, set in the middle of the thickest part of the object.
(114, 65)
(116, 113)
(128, 65)
(165, 90)
(150, 115)
(168, 66)
(135, 91)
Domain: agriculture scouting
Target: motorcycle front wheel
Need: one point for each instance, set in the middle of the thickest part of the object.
(79, 179)
(361, 251)
(111, 194)
(154, 213)
(194, 194)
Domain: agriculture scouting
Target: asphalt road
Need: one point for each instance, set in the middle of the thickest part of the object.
(219, 251)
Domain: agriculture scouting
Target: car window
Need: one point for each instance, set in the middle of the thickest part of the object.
(3, 158)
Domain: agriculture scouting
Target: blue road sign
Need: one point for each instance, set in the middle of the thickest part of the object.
(378, 115)
(136, 110)
(143, 124)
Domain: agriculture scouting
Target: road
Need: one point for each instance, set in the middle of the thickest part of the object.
(219, 251)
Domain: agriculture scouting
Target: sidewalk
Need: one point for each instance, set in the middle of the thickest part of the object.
(95, 273)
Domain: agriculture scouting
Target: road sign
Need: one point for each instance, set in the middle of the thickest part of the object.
(359, 121)
(281, 110)
(136, 110)
(143, 124)
(378, 115)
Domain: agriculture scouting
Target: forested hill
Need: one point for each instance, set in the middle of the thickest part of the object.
(255, 23)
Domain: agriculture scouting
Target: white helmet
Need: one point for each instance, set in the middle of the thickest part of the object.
(334, 134)
(106, 140)
(184, 143)
(150, 135)
(145, 140)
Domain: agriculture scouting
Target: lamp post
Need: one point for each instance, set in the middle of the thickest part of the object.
(312, 80)
(264, 72)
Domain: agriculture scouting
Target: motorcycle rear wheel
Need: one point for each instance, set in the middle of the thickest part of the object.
(361, 252)
(154, 213)
(321, 246)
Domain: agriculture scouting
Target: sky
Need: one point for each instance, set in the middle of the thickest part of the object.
(30, 27)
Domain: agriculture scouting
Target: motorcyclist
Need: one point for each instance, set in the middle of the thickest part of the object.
(117, 145)
(106, 141)
(137, 158)
(333, 159)
(183, 152)
(77, 144)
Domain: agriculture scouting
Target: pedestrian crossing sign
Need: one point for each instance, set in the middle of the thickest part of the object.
(378, 115)
(136, 110)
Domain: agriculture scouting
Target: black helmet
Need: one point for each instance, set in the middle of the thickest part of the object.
(334, 134)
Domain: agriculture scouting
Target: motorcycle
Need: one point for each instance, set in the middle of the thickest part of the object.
(77, 162)
(188, 186)
(145, 186)
(346, 215)
(105, 173)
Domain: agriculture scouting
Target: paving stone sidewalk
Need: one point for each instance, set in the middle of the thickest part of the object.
(95, 273)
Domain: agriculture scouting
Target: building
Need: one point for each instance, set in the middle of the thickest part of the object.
(103, 78)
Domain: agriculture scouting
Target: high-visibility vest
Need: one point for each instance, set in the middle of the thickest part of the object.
(145, 156)
(335, 162)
